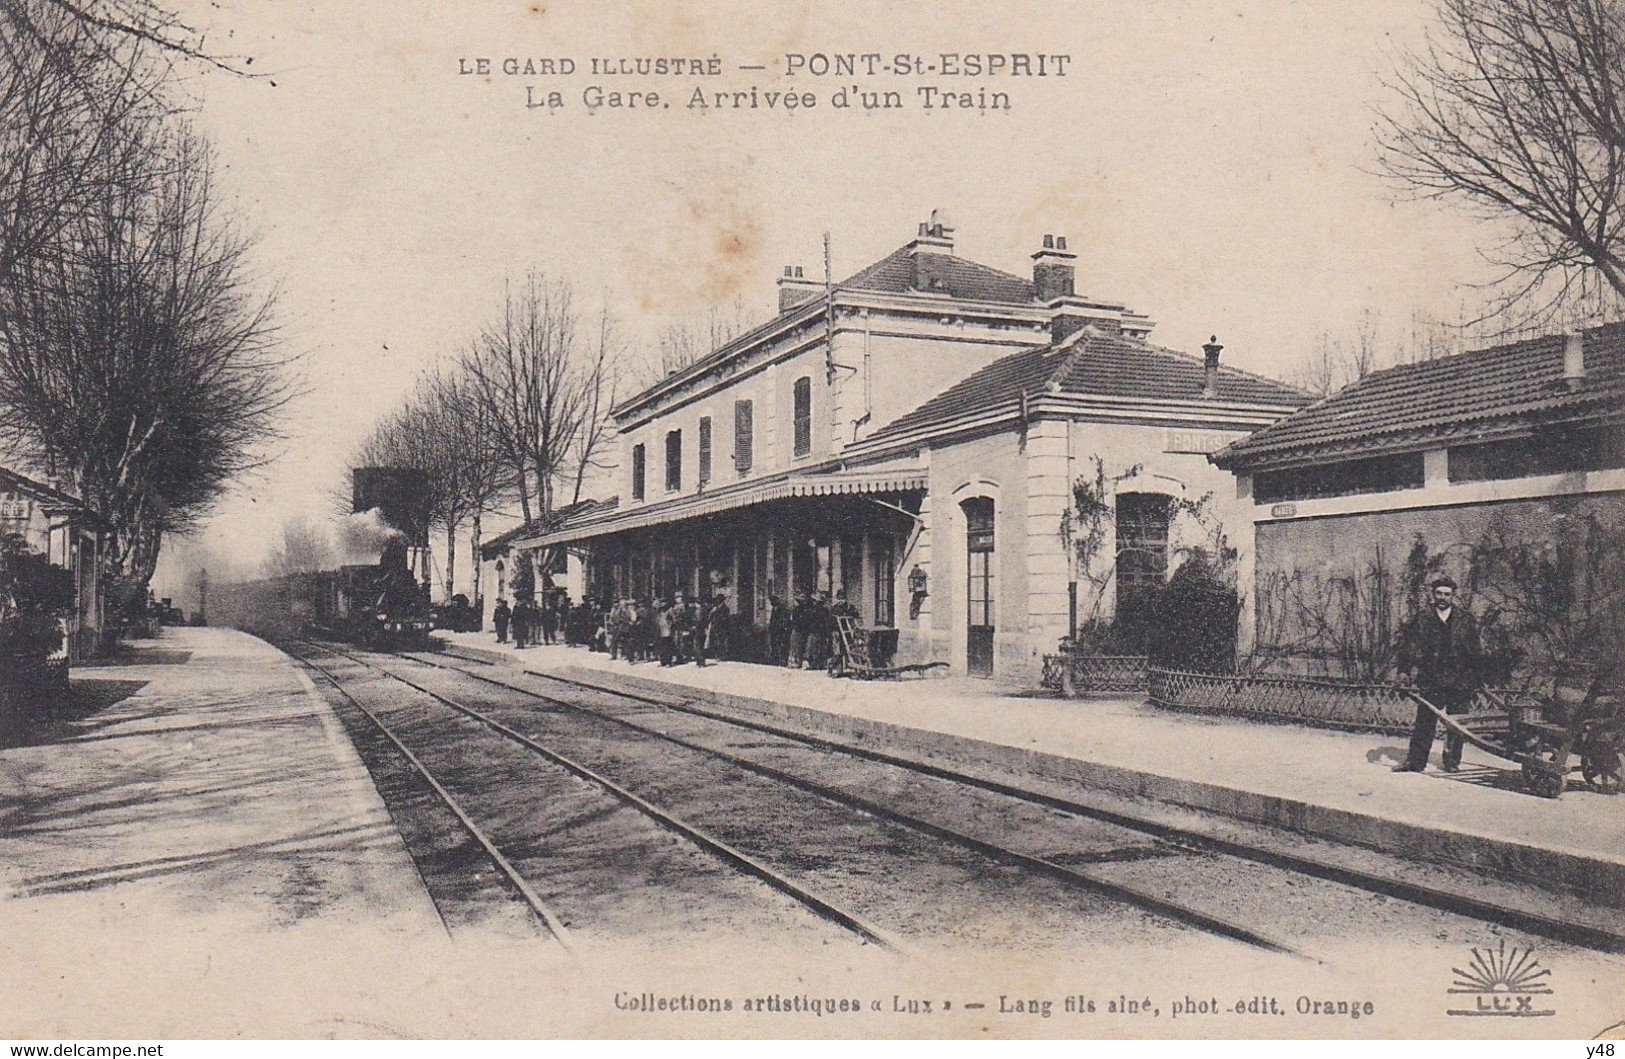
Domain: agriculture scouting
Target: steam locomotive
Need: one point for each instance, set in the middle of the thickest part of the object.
(377, 606)
(381, 605)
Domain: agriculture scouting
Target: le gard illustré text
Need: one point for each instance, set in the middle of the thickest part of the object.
(791, 64)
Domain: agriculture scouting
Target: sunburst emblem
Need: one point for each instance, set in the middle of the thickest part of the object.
(1503, 981)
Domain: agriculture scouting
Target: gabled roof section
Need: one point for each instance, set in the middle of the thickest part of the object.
(559, 519)
(896, 273)
(958, 278)
(1482, 393)
(53, 498)
(1090, 363)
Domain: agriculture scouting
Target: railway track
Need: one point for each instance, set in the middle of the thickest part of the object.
(543, 913)
(824, 909)
(1453, 902)
(1067, 867)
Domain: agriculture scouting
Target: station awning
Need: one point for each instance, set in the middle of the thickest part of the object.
(834, 483)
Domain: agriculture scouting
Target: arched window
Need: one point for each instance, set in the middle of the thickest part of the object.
(981, 598)
(674, 460)
(1142, 560)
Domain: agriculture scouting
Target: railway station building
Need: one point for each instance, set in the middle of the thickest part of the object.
(71, 537)
(1503, 468)
(910, 437)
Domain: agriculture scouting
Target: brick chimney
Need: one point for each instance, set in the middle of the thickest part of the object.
(1574, 359)
(796, 289)
(1053, 271)
(1210, 363)
(930, 248)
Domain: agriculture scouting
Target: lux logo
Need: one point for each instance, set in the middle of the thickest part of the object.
(1502, 982)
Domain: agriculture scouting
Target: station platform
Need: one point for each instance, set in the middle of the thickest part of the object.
(189, 846)
(1325, 787)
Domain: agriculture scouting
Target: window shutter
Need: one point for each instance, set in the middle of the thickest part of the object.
(705, 449)
(637, 472)
(742, 435)
(803, 416)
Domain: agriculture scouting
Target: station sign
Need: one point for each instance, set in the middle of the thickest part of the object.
(1200, 442)
(15, 512)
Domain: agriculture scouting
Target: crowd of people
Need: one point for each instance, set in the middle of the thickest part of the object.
(678, 629)
(804, 634)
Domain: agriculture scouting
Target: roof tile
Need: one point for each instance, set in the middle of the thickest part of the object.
(1091, 364)
(1468, 394)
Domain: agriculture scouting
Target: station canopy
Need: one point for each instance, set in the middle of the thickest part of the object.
(728, 498)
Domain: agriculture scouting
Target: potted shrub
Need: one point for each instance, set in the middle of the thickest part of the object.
(34, 598)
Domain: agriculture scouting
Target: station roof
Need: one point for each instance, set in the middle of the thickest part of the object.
(900, 273)
(52, 498)
(1471, 395)
(829, 482)
(558, 519)
(1094, 363)
(960, 278)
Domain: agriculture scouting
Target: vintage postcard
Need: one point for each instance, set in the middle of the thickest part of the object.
(541, 519)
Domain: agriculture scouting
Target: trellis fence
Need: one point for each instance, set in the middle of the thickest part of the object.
(1386, 708)
(1086, 674)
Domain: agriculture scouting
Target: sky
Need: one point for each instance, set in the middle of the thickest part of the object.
(1212, 164)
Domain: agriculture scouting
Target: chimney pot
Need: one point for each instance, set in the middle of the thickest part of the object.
(794, 289)
(1211, 351)
(1054, 275)
(1574, 359)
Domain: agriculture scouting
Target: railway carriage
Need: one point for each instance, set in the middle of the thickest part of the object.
(374, 605)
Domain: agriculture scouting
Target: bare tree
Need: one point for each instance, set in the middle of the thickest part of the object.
(1341, 358)
(306, 548)
(546, 393)
(483, 477)
(67, 92)
(696, 337)
(75, 75)
(415, 436)
(600, 378)
(137, 357)
(1514, 108)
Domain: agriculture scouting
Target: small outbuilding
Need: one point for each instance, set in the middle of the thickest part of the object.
(1503, 468)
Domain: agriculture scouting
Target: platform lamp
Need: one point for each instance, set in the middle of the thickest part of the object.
(917, 582)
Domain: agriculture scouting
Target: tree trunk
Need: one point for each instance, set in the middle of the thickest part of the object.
(474, 555)
(524, 496)
(451, 560)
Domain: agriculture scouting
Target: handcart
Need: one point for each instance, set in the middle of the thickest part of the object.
(850, 655)
(1545, 735)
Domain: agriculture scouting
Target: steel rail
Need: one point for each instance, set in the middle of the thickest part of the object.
(1581, 934)
(821, 906)
(1072, 876)
(533, 900)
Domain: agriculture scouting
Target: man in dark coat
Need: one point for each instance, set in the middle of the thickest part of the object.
(1440, 646)
(499, 617)
(800, 615)
(524, 617)
(778, 631)
(819, 623)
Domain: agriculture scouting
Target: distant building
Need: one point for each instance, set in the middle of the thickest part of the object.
(71, 537)
(1523, 442)
(911, 438)
(559, 564)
